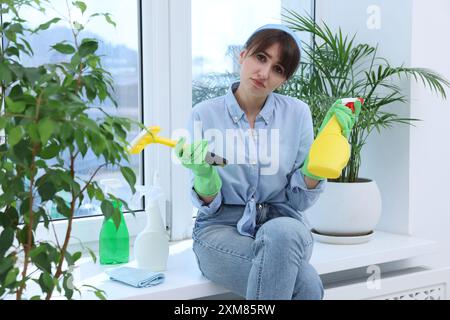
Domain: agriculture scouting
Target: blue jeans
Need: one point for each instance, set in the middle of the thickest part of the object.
(274, 265)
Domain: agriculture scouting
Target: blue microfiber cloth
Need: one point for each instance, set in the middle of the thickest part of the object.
(138, 278)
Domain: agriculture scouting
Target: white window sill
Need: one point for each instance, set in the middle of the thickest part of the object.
(184, 280)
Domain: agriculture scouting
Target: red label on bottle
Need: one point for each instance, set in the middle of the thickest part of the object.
(351, 105)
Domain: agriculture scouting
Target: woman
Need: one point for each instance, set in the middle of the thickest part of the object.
(250, 235)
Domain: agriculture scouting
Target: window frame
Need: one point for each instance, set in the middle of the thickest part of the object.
(166, 101)
(87, 229)
(182, 212)
(167, 87)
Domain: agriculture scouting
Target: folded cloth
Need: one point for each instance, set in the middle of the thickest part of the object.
(138, 278)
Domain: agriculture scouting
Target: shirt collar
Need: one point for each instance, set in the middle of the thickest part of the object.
(234, 109)
(237, 113)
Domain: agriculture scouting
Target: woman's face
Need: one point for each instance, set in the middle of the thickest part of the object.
(261, 72)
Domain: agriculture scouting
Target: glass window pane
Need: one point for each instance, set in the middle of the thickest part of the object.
(119, 47)
(219, 30)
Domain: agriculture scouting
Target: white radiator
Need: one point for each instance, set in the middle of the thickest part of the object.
(409, 284)
(427, 293)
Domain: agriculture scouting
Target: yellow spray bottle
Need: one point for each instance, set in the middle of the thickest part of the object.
(330, 152)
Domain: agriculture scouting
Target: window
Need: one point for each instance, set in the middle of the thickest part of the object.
(120, 47)
(219, 30)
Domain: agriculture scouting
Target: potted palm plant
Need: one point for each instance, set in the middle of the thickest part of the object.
(334, 67)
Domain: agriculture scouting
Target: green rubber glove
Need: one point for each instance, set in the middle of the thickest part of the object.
(344, 115)
(346, 118)
(308, 174)
(207, 182)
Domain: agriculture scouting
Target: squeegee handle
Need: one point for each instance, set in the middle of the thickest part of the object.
(166, 142)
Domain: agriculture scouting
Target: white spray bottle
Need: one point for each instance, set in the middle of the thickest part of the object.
(151, 247)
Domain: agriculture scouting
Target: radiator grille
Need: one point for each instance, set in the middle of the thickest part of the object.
(436, 292)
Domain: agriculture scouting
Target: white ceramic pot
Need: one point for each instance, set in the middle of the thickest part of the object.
(347, 209)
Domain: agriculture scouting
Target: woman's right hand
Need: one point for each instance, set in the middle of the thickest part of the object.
(207, 181)
(192, 156)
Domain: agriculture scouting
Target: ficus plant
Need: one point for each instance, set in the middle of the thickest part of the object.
(47, 130)
(335, 66)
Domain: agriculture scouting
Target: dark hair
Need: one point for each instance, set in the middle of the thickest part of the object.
(289, 53)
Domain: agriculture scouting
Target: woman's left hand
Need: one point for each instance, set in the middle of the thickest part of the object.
(345, 116)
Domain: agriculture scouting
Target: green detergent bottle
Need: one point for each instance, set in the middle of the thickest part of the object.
(114, 243)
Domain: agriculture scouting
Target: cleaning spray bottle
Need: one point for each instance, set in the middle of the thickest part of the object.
(151, 247)
(330, 152)
(114, 243)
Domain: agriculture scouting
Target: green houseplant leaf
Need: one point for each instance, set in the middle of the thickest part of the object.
(45, 116)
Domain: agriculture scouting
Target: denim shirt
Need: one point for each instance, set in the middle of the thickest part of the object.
(263, 164)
